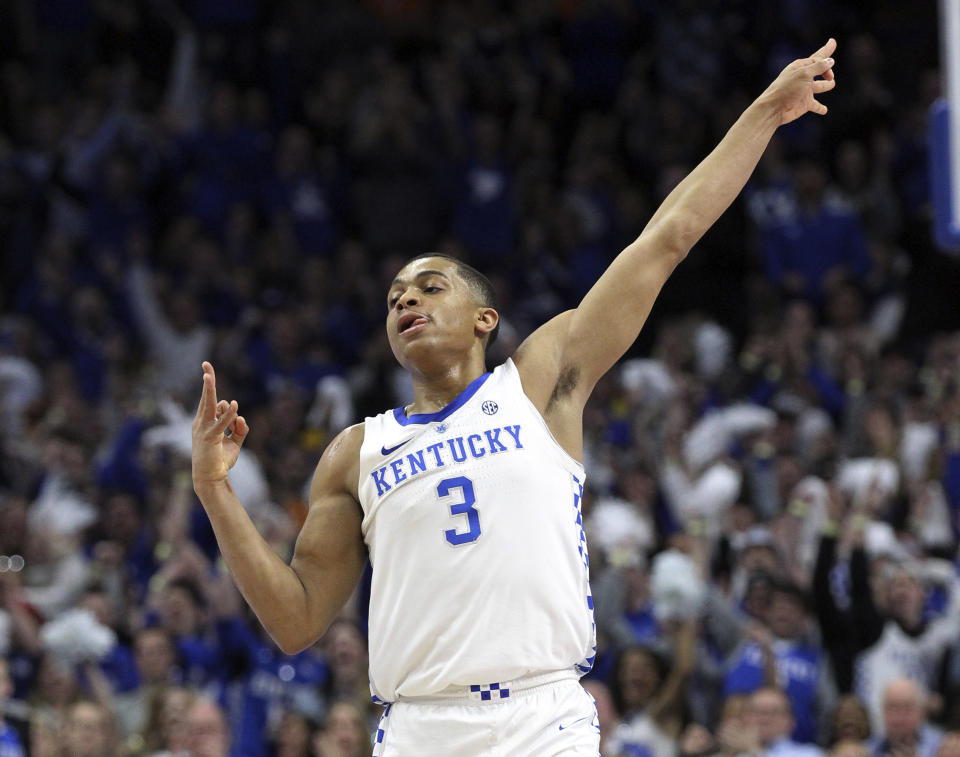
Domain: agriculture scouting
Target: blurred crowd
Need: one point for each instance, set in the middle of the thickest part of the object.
(773, 491)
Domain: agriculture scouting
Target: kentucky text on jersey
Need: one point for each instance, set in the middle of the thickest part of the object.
(447, 452)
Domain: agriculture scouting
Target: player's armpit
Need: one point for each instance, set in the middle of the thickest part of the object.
(330, 553)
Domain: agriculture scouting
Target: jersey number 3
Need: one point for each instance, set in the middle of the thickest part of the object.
(466, 507)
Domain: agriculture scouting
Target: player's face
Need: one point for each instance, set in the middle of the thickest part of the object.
(429, 307)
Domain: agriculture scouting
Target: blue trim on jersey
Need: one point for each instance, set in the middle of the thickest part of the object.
(461, 399)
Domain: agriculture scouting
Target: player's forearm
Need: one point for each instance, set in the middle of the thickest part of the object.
(702, 197)
(268, 584)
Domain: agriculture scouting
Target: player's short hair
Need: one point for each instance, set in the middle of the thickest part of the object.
(478, 283)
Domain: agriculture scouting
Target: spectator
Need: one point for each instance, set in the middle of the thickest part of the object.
(157, 667)
(88, 731)
(171, 327)
(771, 720)
(650, 696)
(207, 733)
(850, 721)
(166, 731)
(902, 643)
(905, 726)
(344, 733)
(780, 652)
(291, 737)
(834, 232)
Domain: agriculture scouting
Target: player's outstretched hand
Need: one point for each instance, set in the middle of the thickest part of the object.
(794, 91)
(214, 452)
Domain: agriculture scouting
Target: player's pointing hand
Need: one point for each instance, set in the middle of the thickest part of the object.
(214, 452)
(794, 91)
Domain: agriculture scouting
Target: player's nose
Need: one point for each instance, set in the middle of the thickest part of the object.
(408, 299)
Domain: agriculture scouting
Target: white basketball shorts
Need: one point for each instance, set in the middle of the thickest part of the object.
(555, 719)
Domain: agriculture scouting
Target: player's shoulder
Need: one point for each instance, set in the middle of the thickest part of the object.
(339, 465)
(348, 442)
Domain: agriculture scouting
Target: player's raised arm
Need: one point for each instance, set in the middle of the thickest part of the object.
(607, 321)
(294, 602)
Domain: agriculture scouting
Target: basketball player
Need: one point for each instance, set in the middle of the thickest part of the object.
(467, 502)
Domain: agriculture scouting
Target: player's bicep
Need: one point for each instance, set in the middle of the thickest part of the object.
(329, 557)
(610, 316)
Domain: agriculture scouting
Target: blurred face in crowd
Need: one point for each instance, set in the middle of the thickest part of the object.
(639, 677)
(121, 518)
(207, 734)
(55, 681)
(905, 597)
(174, 709)
(902, 710)
(785, 615)
(346, 728)
(346, 650)
(87, 732)
(292, 736)
(99, 604)
(850, 720)
(769, 712)
(636, 586)
(760, 558)
(154, 655)
(756, 600)
(735, 711)
(181, 616)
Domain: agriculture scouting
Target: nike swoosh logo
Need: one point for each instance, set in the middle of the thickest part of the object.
(391, 450)
(562, 726)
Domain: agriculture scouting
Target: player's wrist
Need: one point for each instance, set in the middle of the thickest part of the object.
(766, 111)
(207, 488)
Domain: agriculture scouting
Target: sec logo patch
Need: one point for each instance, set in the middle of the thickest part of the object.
(489, 407)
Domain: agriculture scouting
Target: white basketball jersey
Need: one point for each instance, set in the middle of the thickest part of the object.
(472, 520)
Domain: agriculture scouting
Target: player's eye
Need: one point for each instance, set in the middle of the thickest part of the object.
(430, 289)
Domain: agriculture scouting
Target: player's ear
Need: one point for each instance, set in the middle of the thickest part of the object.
(486, 320)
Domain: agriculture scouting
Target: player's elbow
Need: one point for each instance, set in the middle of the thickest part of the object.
(293, 635)
(291, 642)
(674, 236)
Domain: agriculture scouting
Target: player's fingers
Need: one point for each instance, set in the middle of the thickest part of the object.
(823, 85)
(827, 50)
(820, 67)
(208, 400)
(222, 406)
(818, 108)
(238, 431)
(227, 418)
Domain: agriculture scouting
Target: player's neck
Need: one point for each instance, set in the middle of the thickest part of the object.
(435, 390)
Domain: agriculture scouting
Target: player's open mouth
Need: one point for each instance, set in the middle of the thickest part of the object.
(409, 323)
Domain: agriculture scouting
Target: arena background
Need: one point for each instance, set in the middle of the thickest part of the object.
(239, 181)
